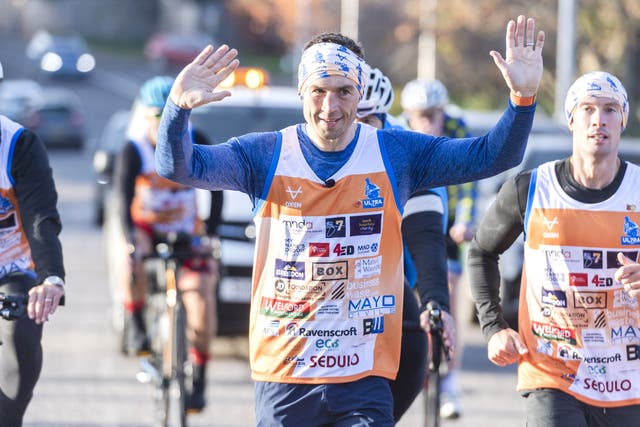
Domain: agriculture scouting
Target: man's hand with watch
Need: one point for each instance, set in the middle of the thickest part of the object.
(45, 298)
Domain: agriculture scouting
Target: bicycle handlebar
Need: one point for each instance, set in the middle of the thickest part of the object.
(436, 326)
(178, 246)
(13, 306)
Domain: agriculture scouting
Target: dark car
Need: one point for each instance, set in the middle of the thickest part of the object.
(16, 96)
(61, 55)
(58, 117)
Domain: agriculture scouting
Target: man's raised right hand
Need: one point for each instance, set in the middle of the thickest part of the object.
(197, 82)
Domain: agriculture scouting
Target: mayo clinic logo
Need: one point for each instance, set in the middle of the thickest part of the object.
(372, 306)
(625, 334)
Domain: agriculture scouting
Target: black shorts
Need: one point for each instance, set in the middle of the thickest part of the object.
(549, 407)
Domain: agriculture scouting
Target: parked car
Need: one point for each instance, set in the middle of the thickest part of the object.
(61, 55)
(164, 50)
(16, 95)
(247, 110)
(58, 116)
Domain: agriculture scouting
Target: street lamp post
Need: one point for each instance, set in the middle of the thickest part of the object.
(427, 40)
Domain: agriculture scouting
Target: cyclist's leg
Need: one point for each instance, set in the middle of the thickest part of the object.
(554, 408)
(134, 294)
(198, 280)
(412, 371)
(20, 364)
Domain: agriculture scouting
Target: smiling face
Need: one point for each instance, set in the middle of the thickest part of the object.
(596, 127)
(329, 106)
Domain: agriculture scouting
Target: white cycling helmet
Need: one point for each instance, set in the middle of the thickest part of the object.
(423, 95)
(378, 95)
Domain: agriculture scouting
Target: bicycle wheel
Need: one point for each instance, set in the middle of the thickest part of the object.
(171, 393)
(432, 392)
(175, 390)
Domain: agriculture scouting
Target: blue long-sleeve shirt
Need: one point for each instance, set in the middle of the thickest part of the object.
(417, 161)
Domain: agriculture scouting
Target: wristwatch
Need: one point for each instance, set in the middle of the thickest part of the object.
(53, 280)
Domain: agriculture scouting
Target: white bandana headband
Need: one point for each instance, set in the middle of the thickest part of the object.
(596, 83)
(323, 60)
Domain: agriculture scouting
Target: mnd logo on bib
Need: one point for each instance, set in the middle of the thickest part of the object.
(630, 233)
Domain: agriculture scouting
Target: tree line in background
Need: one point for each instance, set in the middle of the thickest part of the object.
(608, 38)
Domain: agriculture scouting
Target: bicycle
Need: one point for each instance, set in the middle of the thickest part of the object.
(167, 366)
(437, 349)
(13, 306)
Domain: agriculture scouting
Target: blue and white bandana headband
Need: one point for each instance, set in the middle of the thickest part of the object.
(600, 84)
(323, 60)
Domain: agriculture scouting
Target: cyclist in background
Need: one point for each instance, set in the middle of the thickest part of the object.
(30, 261)
(149, 208)
(424, 102)
(425, 262)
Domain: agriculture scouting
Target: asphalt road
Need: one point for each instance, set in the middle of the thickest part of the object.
(86, 382)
